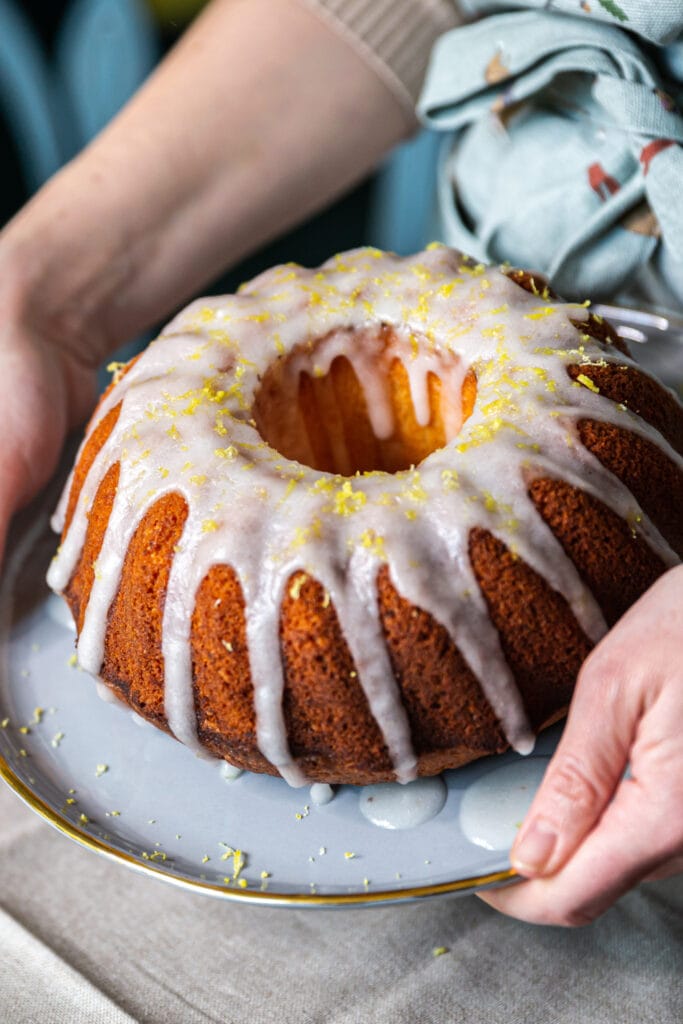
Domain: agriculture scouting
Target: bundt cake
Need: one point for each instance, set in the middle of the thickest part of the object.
(364, 522)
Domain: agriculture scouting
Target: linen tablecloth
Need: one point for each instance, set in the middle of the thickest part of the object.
(85, 940)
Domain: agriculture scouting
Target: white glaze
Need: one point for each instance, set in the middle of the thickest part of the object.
(493, 807)
(321, 794)
(105, 693)
(230, 772)
(394, 806)
(185, 426)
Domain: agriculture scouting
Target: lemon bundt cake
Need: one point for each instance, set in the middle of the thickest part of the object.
(365, 522)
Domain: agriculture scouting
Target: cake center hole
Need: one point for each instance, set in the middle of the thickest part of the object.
(365, 399)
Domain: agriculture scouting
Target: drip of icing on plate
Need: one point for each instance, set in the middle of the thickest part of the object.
(394, 806)
(493, 807)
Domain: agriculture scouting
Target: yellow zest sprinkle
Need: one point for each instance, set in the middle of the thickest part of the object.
(209, 526)
(497, 332)
(83, 818)
(226, 453)
(472, 271)
(227, 645)
(291, 484)
(410, 513)
(347, 501)
(116, 370)
(297, 584)
(374, 542)
(38, 715)
(422, 272)
(540, 312)
(4, 723)
(56, 739)
(349, 855)
(588, 383)
(326, 599)
(101, 769)
(23, 753)
(439, 950)
(302, 534)
(205, 858)
(449, 479)
(24, 730)
(198, 479)
(238, 862)
(322, 486)
(113, 814)
(265, 874)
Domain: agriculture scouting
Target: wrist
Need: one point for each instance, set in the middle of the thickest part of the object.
(56, 272)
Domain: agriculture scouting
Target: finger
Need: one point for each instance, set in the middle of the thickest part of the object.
(618, 683)
(584, 772)
(631, 843)
(667, 870)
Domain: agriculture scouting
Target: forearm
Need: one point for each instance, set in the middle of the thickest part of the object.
(259, 116)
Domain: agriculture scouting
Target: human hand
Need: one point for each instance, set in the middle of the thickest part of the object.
(44, 391)
(590, 835)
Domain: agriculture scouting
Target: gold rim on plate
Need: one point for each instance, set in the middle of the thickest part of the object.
(263, 897)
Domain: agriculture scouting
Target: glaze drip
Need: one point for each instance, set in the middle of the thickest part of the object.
(186, 425)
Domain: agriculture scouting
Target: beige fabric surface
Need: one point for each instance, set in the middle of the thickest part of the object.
(82, 939)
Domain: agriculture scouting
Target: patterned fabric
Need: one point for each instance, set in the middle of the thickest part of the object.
(657, 20)
(563, 148)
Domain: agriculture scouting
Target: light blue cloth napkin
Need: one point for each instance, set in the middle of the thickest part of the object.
(563, 147)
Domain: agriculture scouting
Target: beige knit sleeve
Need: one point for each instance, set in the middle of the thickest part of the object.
(394, 36)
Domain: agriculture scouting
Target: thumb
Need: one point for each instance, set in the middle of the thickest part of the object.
(616, 698)
(586, 769)
(590, 834)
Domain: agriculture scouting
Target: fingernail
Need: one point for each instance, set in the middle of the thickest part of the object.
(534, 848)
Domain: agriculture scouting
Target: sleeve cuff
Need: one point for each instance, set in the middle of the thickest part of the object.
(394, 37)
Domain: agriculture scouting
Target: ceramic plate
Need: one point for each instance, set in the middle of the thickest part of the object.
(121, 788)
